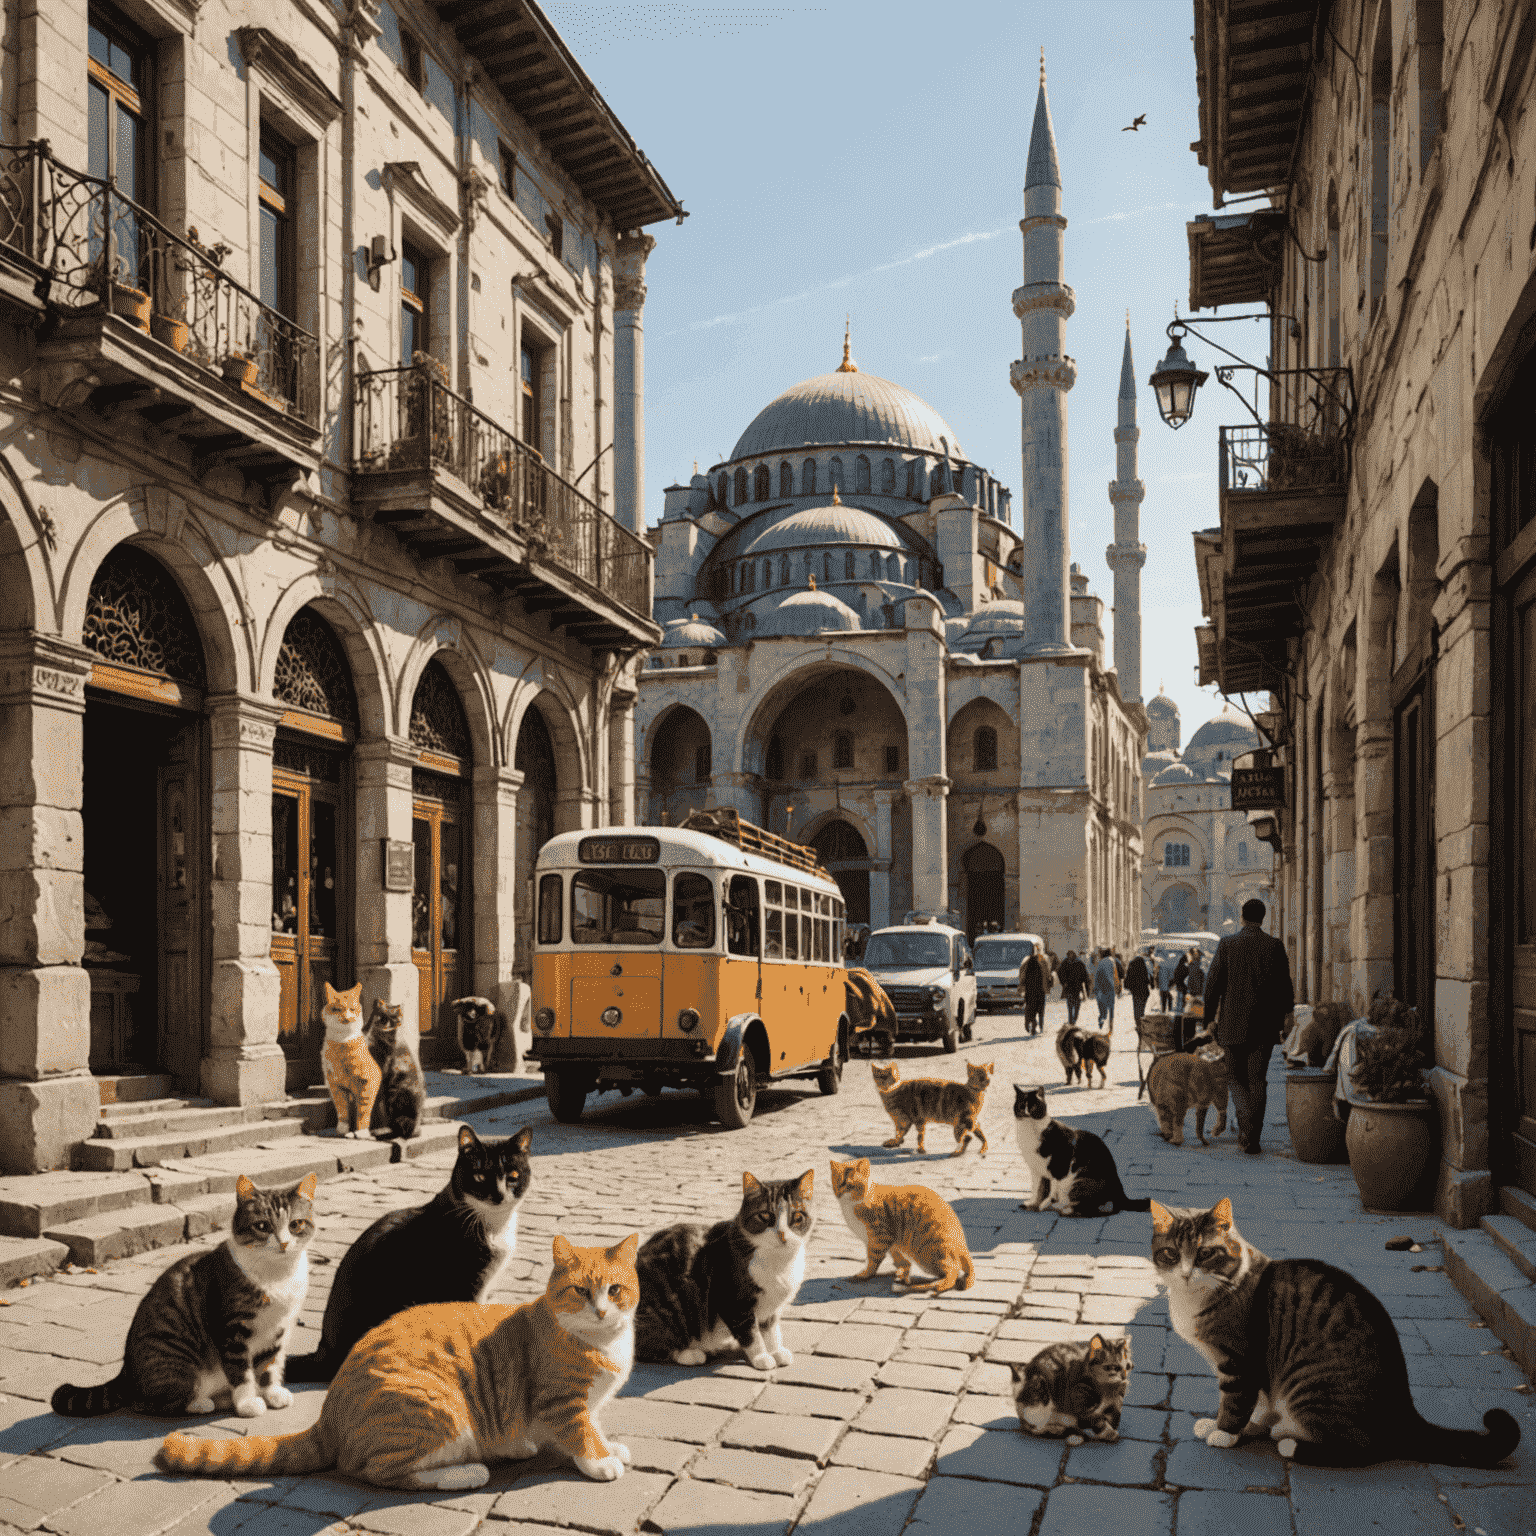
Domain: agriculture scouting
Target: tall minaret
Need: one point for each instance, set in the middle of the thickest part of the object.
(1127, 554)
(1042, 377)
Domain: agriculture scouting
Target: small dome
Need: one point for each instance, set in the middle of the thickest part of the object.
(1004, 617)
(1162, 705)
(808, 613)
(817, 527)
(1154, 763)
(837, 408)
(691, 631)
(1174, 773)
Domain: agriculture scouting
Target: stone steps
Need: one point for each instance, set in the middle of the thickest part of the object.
(186, 1116)
(1501, 1291)
(120, 1234)
(103, 1154)
(1517, 1241)
(1515, 1202)
(130, 1088)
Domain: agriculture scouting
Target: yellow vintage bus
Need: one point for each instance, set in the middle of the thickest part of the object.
(704, 956)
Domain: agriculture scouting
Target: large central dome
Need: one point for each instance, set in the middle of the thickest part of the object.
(847, 407)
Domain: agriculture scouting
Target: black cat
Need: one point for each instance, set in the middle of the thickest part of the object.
(1070, 1170)
(451, 1249)
(402, 1096)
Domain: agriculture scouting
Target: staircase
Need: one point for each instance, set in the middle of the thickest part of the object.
(1494, 1267)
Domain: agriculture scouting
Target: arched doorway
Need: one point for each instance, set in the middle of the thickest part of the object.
(312, 856)
(840, 845)
(145, 822)
(535, 760)
(440, 898)
(682, 766)
(1176, 911)
(983, 866)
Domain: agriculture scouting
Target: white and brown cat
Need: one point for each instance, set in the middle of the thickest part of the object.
(351, 1073)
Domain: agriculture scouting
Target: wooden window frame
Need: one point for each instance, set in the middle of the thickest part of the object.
(133, 96)
(276, 201)
(418, 299)
(507, 169)
(530, 360)
(413, 60)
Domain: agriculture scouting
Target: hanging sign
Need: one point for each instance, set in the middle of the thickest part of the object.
(399, 863)
(1258, 789)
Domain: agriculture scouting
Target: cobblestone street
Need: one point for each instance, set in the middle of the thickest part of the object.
(895, 1414)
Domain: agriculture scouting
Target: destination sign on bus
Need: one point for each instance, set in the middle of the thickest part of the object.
(619, 850)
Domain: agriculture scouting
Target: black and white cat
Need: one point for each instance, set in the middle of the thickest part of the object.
(1070, 1170)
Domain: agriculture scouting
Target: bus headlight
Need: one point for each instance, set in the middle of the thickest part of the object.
(611, 1017)
(544, 1020)
(936, 995)
(688, 1020)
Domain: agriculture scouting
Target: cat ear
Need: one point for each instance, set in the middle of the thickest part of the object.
(467, 1138)
(244, 1189)
(749, 1185)
(1221, 1213)
(624, 1253)
(1017, 1370)
(805, 1181)
(565, 1255)
(522, 1139)
(861, 1168)
(307, 1187)
(1162, 1217)
(331, 994)
(1096, 1346)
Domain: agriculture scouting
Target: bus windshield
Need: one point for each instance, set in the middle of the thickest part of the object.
(907, 948)
(1002, 954)
(618, 906)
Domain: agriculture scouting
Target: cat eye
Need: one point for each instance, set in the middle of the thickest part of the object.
(1203, 1255)
(615, 1290)
(1165, 1256)
(261, 1226)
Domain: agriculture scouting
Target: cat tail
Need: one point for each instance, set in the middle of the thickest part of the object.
(1464, 1447)
(1123, 1202)
(273, 1455)
(88, 1402)
(316, 1367)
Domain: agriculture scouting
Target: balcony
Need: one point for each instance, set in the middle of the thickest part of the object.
(145, 329)
(452, 484)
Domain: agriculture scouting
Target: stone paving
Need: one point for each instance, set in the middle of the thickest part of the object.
(895, 1414)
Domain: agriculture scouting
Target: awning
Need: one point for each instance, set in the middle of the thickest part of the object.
(1235, 258)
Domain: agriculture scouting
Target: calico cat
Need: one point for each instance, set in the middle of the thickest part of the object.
(1200, 1078)
(479, 1031)
(216, 1324)
(704, 1290)
(1082, 1049)
(402, 1089)
(351, 1073)
(1304, 1353)
(921, 1099)
(1069, 1169)
(427, 1398)
(1076, 1390)
(454, 1248)
(908, 1221)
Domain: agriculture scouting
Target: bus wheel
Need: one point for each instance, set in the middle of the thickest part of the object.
(736, 1097)
(830, 1078)
(566, 1092)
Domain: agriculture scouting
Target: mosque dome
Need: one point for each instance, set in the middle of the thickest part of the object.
(1223, 737)
(1174, 773)
(847, 407)
(819, 527)
(1154, 763)
(691, 631)
(1162, 705)
(1004, 617)
(808, 613)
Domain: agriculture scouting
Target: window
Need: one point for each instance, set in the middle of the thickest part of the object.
(877, 565)
(1176, 855)
(836, 473)
(618, 906)
(415, 304)
(531, 375)
(842, 750)
(911, 482)
(984, 747)
(508, 167)
(783, 570)
(702, 765)
(749, 576)
(826, 567)
(848, 565)
(1242, 853)
(550, 904)
(723, 495)
(412, 61)
(693, 912)
(742, 921)
(893, 759)
(786, 479)
(861, 473)
(1378, 212)
(741, 487)
(556, 227)
(774, 766)
(808, 478)
(279, 268)
(117, 78)
(887, 476)
(807, 765)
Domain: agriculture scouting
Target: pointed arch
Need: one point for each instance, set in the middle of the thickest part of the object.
(442, 637)
(28, 568)
(543, 689)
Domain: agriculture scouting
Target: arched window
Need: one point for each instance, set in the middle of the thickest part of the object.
(702, 767)
(887, 475)
(773, 768)
(848, 565)
(767, 575)
(1333, 302)
(1175, 855)
(861, 473)
(749, 576)
(911, 482)
(1242, 853)
(876, 564)
(826, 567)
(842, 750)
(135, 616)
(984, 746)
(836, 472)
(762, 483)
(892, 568)
(723, 498)
(786, 479)
(312, 672)
(783, 570)
(938, 481)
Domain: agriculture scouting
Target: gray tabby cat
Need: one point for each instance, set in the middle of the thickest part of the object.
(1076, 1390)
(402, 1096)
(1304, 1353)
(217, 1324)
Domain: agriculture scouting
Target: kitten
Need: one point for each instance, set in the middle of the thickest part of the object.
(402, 1089)
(216, 1324)
(479, 1031)
(1076, 1390)
(1303, 1352)
(351, 1073)
(705, 1290)
(1069, 1169)
(454, 1248)
(1077, 1049)
(427, 1398)
(921, 1099)
(1180, 1080)
(870, 1010)
(908, 1221)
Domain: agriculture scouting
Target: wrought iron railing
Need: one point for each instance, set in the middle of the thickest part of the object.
(408, 418)
(1305, 443)
(94, 248)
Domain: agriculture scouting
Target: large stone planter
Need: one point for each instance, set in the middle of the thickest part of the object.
(1317, 1136)
(1393, 1153)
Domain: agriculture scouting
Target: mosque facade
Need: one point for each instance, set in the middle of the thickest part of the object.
(864, 652)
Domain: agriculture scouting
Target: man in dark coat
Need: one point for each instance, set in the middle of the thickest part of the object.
(1074, 984)
(1247, 996)
(1180, 975)
(1138, 982)
(1033, 976)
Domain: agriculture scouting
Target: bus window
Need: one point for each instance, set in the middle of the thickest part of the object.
(791, 898)
(821, 940)
(791, 930)
(550, 905)
(741, 916)
(619, 906)
(693, 912)
(807, 934)
(775, 946)
(773, 893)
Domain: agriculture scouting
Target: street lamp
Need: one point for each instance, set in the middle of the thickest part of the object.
(1175, 383)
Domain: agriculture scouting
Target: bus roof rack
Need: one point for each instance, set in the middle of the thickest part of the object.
(725, 822)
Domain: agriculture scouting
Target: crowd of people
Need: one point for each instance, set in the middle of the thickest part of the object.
(1106, 976)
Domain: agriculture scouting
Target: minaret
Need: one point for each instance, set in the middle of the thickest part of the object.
(1127, 554)
(1042, 377)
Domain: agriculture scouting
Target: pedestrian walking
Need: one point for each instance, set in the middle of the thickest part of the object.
(1138, 982)
(1247, 996)
(1180, 975)
(1106, 982)
(1034, 976)
(1074, 984)
(1114, 955)
(1194, 981)
(1165, 972)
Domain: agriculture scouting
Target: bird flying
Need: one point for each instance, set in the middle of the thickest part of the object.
(1135, 124)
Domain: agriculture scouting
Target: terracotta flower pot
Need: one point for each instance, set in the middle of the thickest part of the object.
(132, 304)
(171, 331)
(1393, 1150)
(1316, 1136)
(239, 369)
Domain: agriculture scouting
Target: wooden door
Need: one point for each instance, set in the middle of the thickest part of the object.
(1413, 826)
(179, 900)
(440, 918)
(1522, 745)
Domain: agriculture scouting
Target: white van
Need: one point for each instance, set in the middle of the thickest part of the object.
(998, 957)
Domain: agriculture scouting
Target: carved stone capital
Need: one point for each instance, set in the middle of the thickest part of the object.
(243, 722)
(1127, 490)
(629, 258)
(1037, 296)
(1042, 373)
(934, 787)
(44, 670)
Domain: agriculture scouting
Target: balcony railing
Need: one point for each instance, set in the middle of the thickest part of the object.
(408, 418)
(95, 250)
(1305, 446)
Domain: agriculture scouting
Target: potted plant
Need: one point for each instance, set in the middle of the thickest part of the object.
(1391, 1134)
(239, 367)
(131, 303)
(172, 330)
(1317, 1134)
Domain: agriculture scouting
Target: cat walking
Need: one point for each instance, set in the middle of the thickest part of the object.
(351, 1073)
(922, 1099)
(428, 1398)
(1197, 1079)
(908, 1221)
(1068, 1169)
(215, 1326)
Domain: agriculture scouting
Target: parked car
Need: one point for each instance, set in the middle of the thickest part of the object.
(929, 975)
(998, 957)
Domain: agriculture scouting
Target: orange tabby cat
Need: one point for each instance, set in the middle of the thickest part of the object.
(431, 1395)
(351, 1073)
(908, 1221)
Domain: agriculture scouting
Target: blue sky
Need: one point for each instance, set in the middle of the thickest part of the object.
(869, 158)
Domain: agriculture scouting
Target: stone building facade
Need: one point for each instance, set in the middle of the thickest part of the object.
(319, 598)
(1374, 563)
(863, 652)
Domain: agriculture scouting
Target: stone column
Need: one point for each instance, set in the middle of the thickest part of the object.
(880, 878)
(930, 843)
(243, 1063)
(48, 1101)
(381, 776)
(621, 758)
(503, 908)
(629, 379)
(1339, 883)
